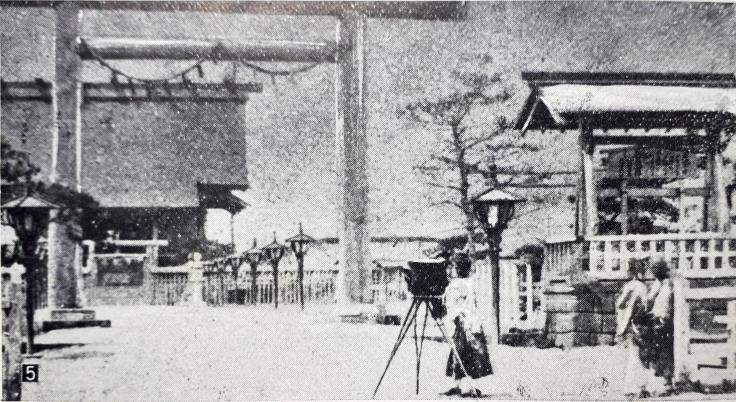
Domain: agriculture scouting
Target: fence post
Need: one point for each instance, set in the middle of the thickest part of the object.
(681, 321)
(12, 322)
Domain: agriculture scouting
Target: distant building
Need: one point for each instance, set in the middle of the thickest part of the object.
(155, 164)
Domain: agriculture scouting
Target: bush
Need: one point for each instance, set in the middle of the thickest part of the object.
(531, 249)
(78, 210)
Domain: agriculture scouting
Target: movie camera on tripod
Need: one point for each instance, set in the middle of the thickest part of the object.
(427, 281)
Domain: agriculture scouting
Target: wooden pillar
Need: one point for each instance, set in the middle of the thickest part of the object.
(350, 98)
(624, 207)
(718, 207)
(681, 325)
(588, 202)
(66, 146)
(529, 294)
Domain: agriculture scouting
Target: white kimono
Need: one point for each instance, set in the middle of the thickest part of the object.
(633, 294)
(460, 299)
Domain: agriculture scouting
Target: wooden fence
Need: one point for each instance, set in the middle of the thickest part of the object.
(517, 308)
(221, 287)
(168, 285)
(705, 329)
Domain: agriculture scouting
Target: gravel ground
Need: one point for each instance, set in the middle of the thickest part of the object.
(173, 353)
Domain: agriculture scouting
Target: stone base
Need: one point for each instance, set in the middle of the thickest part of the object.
(72, 318)
(72, 314)
(52, 325)
(357, 313)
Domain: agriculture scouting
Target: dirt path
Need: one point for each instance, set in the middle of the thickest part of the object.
(177, 353)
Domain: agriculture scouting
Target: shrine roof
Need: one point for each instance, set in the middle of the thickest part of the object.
(558, 100)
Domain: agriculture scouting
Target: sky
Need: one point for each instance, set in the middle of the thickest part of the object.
(289, 127)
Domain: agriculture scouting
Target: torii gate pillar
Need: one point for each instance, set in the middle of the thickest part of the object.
(351, 144)
(62, 276)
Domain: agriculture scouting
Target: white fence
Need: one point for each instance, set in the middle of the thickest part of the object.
(517, 298)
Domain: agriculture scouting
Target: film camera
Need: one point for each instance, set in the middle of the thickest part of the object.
(428, 279)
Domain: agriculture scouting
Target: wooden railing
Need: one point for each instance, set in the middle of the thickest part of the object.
(222, 287)
(319, 287)
(168, 285)
(694, 255)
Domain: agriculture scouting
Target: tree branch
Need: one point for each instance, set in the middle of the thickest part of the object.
(447, 202)
(447, 186)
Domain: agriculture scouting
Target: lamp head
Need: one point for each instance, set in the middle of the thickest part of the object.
(253, 255)
(494, 208)
(300, 242)
(274, 251)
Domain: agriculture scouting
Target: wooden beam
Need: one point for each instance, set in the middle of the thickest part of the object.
(424, 10)
(540, 185)
(653, 192)
(630, 78)
(719, 292)
(188, 49)
(177, 92)
(108, 92)
(719, 215)
(652, 120)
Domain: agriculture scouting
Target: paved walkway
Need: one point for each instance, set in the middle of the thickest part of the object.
(176, 353)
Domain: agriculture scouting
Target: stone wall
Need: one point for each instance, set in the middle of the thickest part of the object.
(581, 316)
(585, 315)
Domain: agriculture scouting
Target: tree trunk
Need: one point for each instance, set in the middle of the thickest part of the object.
(465, 203)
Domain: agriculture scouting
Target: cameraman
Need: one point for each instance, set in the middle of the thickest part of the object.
(468, 338)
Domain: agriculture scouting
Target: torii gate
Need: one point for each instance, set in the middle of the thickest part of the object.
(347, 51)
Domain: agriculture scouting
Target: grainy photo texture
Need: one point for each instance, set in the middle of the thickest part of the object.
(287, 200)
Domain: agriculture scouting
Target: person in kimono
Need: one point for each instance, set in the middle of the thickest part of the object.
(468, 337)
(631, 309)
(660, 344)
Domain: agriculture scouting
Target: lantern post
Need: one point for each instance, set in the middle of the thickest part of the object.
(299, 245)
(494, 209)
(273, 252)
(253, 257)
(29, 215)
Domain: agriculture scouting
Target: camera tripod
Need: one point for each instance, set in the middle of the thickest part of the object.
(411, 318)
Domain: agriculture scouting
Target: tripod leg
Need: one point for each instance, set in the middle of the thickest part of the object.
(421, 341)
(411, 315)
(453, 349)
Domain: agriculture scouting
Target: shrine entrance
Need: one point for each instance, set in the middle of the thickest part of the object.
(652, 187)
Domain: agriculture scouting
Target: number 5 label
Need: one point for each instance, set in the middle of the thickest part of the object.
(30, 372)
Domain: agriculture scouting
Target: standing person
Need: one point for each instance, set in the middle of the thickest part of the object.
(468, 338)
(661, 345)
(631, 307)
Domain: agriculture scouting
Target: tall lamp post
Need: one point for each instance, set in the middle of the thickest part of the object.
(300, 245)
(494, 208)
(253, 257)
(273, 253)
